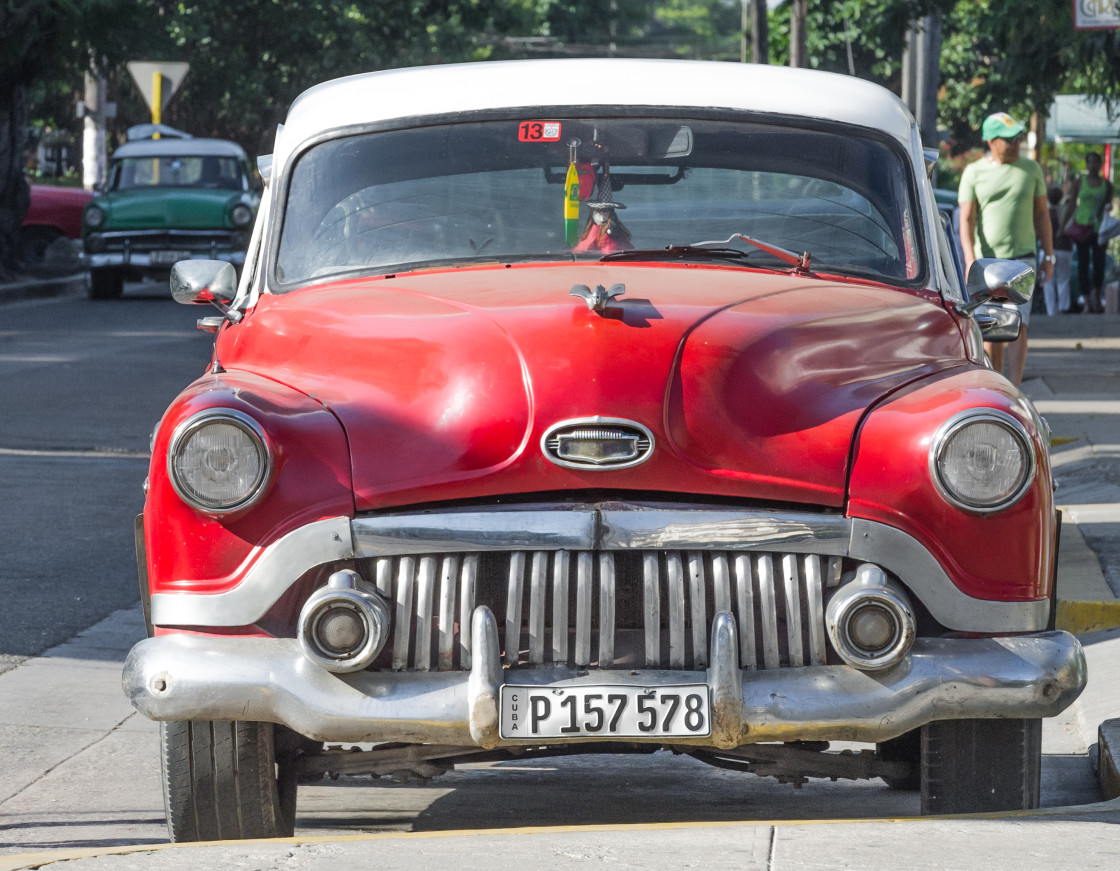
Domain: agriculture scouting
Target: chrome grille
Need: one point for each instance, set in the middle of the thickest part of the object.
(607, 609)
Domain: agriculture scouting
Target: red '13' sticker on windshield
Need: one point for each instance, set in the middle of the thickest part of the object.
(539, 131)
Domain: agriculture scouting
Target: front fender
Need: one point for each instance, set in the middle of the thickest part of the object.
(1006, 555)
(192, 551)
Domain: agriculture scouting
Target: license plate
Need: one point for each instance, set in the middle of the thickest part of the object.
(168, 258)
(682, 711)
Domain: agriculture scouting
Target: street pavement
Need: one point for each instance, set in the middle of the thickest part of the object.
(1073, 376)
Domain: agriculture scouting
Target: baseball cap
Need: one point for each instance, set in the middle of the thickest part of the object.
(1000, 126)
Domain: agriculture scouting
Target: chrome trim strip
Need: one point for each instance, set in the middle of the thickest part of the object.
(721, 583)
(383, 573)
(607, 597)
(449, 570)
(811, 567)
(764, 566)
(702, 529)
(406, 576)
(514, 606)
(583, 609)
(561, 605)
(651, 608)
(270, 572)
(698, 608)
(466, 608)
(674, 571)
(473, 531)
(609, 527)
(791, 585)
(425, 594)
(744, 590)
(923, 576)
(180, 677)
(538, 578)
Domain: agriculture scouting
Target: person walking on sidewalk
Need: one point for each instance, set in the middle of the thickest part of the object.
(1056, 291)
(1093, 195)
(1004, 210)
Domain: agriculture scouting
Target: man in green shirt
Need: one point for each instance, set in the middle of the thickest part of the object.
(1003, 211)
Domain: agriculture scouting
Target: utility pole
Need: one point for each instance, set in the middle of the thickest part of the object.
(94, 156)
(760, 36)
(798, 52)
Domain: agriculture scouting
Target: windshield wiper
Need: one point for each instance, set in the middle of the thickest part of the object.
(721, 251)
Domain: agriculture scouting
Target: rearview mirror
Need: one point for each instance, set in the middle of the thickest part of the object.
(203, 281)
(1001, 280)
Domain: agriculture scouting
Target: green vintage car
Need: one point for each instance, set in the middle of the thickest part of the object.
(167, 200)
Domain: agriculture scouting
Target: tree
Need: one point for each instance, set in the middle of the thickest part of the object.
(31, 35)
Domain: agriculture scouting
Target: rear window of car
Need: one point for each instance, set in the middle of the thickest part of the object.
(495, 190)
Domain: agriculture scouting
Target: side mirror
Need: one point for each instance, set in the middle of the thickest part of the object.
(998, 323)
(203, 281)
(196, 282)
(1000, 280)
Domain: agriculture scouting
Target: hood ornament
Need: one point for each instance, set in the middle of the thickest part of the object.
(597, 299)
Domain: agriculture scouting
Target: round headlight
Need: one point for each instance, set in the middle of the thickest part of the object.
(95, 216)
(982, 460)
(219, 460)
(241, 215)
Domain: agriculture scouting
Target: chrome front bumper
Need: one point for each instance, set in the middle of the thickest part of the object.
(178, 677)
(143, 260)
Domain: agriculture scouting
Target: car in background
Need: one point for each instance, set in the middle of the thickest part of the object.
(55, 213)
(166, 200)
(550, 417)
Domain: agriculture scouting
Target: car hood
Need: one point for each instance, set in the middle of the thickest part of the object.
(176, 208)
(752, 383)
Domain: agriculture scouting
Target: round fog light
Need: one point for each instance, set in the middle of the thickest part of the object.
(870, 620)
(342, 627)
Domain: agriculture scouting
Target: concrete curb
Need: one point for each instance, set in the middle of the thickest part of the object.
(26, 861)
(1108, 758)
(39, 287)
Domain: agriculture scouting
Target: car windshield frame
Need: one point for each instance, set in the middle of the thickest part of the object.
(913, 206)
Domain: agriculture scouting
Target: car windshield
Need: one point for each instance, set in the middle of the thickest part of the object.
(576, 188)
(222, 173)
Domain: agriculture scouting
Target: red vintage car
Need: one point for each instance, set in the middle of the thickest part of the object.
(55, 212)
(549, 415)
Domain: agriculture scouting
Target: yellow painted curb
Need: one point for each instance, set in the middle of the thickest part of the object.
(1082, 617)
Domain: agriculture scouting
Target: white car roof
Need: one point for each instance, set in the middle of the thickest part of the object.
(436, 90)
(174, 147)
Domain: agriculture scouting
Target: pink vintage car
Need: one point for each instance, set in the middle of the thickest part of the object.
(55, 213)
(549, 415)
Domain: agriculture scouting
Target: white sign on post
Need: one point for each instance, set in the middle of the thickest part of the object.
(1096, 14)
(170, 76)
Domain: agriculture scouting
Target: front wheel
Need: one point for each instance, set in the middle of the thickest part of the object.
(224, 780)
(977, 766)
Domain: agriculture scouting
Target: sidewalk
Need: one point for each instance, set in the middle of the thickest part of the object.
(1073, 376)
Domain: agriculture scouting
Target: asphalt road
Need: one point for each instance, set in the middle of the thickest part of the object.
(82, 384)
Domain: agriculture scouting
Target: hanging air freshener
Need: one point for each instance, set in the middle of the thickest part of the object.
(571, 196)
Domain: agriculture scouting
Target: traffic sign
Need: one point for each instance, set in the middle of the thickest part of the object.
(157, 81)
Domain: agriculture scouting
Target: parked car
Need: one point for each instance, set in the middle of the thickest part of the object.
(166, 200)
(55, 213)
(551, 416)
